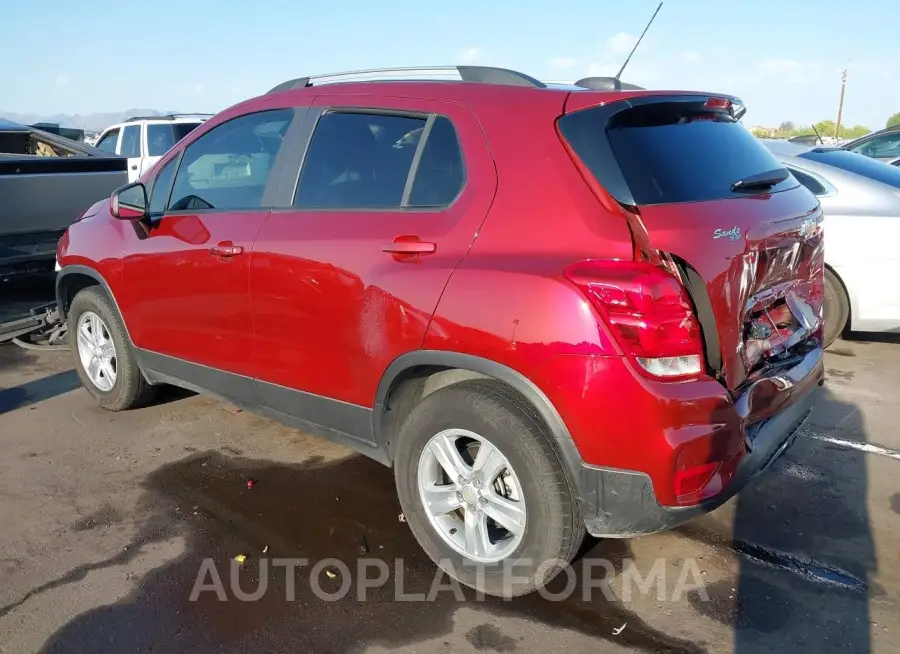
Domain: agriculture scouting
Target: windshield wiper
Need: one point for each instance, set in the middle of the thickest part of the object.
(761, 181)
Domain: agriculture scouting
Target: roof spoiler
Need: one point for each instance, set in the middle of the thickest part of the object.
(607, 84)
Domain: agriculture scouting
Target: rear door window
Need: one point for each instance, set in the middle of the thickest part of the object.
(669, 152)
(358, 160)
(441, 172)
(131, 141)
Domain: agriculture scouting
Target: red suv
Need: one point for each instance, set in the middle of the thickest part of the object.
(551, 309)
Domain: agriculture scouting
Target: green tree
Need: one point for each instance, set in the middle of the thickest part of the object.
(894, 120)
(825, 128)
(854, 132)
(760, 133)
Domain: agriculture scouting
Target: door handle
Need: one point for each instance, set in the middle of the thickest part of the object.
(226, 249)
(409, 245)
(134, 167)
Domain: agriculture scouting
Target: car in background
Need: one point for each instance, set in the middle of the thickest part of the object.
(861, 200)
(144, 139)
(883, 145)
(46, 182)
(806, 139)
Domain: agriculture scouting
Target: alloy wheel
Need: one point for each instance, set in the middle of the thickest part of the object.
(96, 351)
(471, 495)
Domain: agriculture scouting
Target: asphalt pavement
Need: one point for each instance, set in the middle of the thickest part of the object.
(120, 532)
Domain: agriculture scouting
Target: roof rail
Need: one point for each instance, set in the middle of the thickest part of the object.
(165, 117)
(607, 84)
(478, 74)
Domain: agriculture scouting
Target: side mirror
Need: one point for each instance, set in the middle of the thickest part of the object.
(130, 202)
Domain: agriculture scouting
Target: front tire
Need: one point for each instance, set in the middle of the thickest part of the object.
(104, 358)
(837, 308)
(484, 490)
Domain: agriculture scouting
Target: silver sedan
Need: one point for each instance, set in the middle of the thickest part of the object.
(861, 200)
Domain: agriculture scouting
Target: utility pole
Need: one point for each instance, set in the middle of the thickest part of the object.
(837, 127)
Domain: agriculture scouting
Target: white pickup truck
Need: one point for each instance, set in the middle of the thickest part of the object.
(144, 139)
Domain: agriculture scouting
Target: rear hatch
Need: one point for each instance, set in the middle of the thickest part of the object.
(705, 199)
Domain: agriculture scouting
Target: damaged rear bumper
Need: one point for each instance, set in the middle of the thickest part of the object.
(621, 503)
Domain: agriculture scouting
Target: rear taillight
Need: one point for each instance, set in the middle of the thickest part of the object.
(649, 313)
(691, 481)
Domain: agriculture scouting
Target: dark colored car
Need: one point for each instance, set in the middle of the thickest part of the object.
(805, 139)
(883, 144)
(46, 182)
(549, 309)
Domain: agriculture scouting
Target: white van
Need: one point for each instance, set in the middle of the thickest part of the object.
(144, 139)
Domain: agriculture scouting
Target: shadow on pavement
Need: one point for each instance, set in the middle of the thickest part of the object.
(339, 510)
(805, 548)
(38, 390)
(870, 337)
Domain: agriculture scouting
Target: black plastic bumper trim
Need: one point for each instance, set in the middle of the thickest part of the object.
(622, 504)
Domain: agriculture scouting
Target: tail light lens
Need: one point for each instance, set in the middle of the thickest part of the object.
(649, 313)
(704, 467)
(691, 481)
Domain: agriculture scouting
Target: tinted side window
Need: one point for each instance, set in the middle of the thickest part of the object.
(159, 193)
(229, 166)
(358, 161)
(108, 142)
(808, 181)
(131, 141)
(441, 173)
(887, 145)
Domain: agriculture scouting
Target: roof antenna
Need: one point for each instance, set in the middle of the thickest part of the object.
(622, 69)
(818, 136)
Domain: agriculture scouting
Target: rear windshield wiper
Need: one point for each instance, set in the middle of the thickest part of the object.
(761, 181)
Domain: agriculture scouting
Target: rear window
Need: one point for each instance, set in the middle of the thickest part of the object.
(669, 152)
(857, 163)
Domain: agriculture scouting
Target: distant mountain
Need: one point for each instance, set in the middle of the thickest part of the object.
(93, 122)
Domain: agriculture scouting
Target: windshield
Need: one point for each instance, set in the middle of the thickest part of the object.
(857, 163)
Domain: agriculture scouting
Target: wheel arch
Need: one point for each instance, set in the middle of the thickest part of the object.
(414, 375)
(74, 278)
(851, 300)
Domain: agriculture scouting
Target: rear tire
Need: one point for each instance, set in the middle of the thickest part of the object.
(122, 385)
(550, 526)
(837, 308)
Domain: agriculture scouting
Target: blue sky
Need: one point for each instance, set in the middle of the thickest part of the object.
(781, 57)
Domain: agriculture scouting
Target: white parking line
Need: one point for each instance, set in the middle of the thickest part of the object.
(869, 448)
